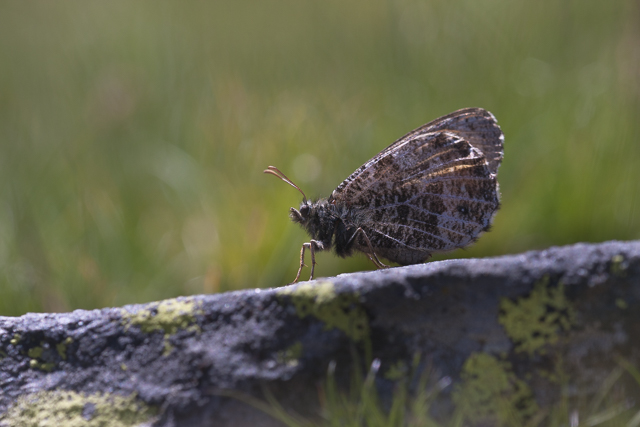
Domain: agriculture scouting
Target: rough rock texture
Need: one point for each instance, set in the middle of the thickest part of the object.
(561, 318)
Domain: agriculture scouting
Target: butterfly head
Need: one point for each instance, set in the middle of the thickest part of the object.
(302, 216)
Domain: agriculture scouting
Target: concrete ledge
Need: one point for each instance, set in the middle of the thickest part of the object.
(518, 317)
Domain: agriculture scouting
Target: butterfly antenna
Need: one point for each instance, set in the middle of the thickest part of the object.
(275, 171)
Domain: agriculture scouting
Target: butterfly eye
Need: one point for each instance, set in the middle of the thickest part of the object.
(304, 210)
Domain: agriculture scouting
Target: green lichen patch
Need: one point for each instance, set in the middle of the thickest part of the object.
(43, 366)
(619, 265)
(342, 311)
(15, 340)
(61, 348)
(536, 320)
(168, 316)
(71, 409)
(35, 352)
(621, 304)
(490, 392)
(291, 355)
(42, 357)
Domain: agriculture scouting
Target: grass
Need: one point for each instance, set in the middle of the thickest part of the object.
(413, 403)
(133, 135)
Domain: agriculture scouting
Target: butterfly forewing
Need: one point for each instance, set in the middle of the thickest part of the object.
(477, 126)
(432, 190)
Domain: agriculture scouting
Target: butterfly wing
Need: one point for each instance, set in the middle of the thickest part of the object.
(477, 126)
(432, 190)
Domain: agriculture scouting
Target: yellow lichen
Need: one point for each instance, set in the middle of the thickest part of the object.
(15, 340)
(36, 364)
(621, 304)
(491, 393)
(35, 352)
(71, 409)
(167, 316)
(291, 355)
(342, 311)
(537, 319)
(619, 265)
(62, 348)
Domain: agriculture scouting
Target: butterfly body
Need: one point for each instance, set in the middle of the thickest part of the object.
(331, 225)
(433, 190)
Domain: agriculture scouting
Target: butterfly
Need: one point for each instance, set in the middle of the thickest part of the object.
(433, 190)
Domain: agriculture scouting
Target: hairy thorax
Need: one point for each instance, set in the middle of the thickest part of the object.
(331, 224)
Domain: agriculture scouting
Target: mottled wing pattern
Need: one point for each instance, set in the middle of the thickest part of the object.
(480, 127)
(477, 126)
(432, 190)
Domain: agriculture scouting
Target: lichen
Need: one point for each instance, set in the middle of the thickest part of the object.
(35, 352)
(621, 304)
(619, 265)
(43, 366)
(16, 339)
(62, 348)
(41, 357)
(490, 392)
(536, 320)
(71, 409)
(341, 311)
(291, 355)
(167, 316)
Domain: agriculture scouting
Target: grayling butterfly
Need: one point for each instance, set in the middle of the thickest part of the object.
(433, 190)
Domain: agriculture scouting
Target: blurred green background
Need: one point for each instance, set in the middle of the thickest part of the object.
(133, 135)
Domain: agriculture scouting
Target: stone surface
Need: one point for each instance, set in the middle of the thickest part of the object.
(523, 318)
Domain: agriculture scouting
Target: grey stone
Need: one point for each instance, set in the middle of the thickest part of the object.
(174, 362)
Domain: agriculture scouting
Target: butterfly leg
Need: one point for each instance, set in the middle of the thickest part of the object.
(379, 264)
(312, 246)
(372, 256)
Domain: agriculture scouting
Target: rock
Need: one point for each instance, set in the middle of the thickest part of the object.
(526, 328)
